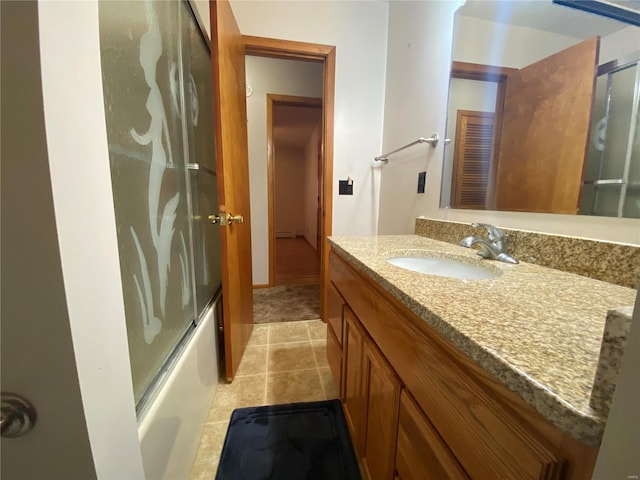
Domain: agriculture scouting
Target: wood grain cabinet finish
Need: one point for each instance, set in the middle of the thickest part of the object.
(335, 304)
(381, 394)
(421, 454)
(467, 422)
(352, 400)
(334, 359)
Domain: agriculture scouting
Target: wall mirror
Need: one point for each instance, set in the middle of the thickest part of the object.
(543, 111)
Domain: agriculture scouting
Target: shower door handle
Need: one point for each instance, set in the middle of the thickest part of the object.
(18, 415)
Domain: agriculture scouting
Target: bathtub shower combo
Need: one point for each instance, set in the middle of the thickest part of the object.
(156, 71)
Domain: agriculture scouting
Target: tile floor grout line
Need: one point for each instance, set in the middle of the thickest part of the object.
(266, 377)
(292, 371)
(315, 360)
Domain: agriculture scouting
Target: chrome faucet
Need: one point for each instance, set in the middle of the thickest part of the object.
(494, 248)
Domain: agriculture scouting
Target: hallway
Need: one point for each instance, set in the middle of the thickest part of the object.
(297, 263)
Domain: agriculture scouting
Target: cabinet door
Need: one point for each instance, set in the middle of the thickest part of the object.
(335, 305)
(421, 454)
(334, 359)
(352, 374)
(381, 391)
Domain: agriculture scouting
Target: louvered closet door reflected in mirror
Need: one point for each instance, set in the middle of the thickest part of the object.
(472, 158)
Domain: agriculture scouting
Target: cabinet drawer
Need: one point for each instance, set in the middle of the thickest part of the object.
(421, 454)
(335, 305)
(334, 358)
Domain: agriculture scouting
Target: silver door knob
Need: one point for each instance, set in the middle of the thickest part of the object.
(18, 415)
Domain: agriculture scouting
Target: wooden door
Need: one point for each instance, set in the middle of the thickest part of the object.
(545, 132)
(472, 159)
(232, 161)
(381, 394)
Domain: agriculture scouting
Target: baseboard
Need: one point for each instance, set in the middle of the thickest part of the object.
(261, 285)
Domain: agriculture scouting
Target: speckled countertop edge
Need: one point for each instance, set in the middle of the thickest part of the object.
(572, 415)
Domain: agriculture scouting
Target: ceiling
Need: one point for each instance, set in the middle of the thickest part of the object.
(293, 126)
(542, 15)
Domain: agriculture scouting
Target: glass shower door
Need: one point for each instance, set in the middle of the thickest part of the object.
(159, 129)
(202, 169)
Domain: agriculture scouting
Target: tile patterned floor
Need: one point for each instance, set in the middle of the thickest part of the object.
(283, 363)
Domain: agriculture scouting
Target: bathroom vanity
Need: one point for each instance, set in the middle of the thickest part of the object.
(453, 378)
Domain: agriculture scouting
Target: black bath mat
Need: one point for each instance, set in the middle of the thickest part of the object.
(296, 441)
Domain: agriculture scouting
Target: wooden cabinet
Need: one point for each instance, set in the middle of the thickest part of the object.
(421, 453)
(335, 306)
(352, 398)
(381, 394)
(453, 419)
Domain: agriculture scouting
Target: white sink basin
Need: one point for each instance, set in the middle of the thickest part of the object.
(445, 267)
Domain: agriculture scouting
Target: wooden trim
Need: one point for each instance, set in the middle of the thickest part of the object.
(261, 285)
(477, 71)
(499, 75)
(286, 49)
(327, 177)
(295, 101)
(290, 50)
(270, 193)
(497, 135)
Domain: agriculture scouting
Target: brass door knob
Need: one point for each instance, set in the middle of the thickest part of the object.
(234, 218)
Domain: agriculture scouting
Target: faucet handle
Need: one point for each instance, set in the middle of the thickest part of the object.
(494, 233)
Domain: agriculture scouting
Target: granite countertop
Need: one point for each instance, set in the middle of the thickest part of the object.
(538, 330)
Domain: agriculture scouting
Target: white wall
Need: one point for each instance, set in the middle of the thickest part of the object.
(491, 43)
(85, 221)
(418, 66)
(415, 105)
(289, 190)
(619, 44)
(358, 30)
(285, 77)
(311, 188)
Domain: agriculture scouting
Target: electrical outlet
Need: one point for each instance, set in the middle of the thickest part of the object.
(422, 180)
(344, 188)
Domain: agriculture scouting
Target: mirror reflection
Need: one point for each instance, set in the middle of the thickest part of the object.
(543, 111)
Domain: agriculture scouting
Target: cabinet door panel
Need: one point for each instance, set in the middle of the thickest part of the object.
(421, 453)
(381, 390)
(335, 305)
(352, 376)
(334, 359)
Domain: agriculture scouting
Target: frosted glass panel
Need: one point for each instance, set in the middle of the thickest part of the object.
(199, 102)
(141, 65)
(621, 104)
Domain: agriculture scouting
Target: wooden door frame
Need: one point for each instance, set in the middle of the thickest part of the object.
(325, 54)
(274, 100)
(499, 75)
